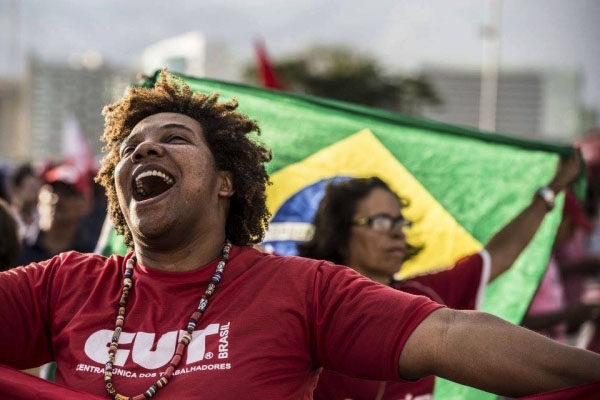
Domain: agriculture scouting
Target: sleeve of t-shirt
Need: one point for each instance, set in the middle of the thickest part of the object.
(25, 314)
(461, 287)
(362, 326)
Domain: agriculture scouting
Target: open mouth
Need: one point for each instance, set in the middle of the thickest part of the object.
(151, 184)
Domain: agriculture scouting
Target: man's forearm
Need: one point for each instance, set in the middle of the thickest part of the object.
(483, 351)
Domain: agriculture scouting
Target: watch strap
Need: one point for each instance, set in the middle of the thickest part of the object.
(548, 195)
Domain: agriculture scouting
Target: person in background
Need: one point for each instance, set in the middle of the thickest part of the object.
(4, 184)
(24, 190)
(579, 258)
(551, 313)
(359, 223)
(62, 203)
(91, 223)
(10, 241)
(193, 311)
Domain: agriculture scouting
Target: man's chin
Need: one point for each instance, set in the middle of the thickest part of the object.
(151, 233)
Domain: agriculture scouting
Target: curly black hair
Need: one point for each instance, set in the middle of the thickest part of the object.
(334, 218)
(228, 135)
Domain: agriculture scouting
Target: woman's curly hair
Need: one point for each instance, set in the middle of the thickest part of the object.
(227, 133)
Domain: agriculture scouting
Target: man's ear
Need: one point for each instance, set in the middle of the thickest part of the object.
(226, 184)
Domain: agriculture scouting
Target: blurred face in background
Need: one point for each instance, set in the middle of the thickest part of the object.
(10, 242)
(27, 192)
(60, 205)
(377, 242)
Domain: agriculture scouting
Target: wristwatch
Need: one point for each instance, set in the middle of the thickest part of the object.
(548, 195)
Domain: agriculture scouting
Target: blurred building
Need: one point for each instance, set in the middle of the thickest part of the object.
(190, 54)
(533, 103)
(35, 108)
(12, 120)
(51, 93)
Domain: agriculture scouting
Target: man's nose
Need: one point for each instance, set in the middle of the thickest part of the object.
(146, 149)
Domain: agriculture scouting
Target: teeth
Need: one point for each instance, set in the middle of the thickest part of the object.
(140, 188)
(138, 180)
(154, 172)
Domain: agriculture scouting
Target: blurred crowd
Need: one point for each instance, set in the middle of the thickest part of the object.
(48, 209)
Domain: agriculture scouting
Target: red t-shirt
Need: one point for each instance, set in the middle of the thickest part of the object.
(460, 287)
(271, 324)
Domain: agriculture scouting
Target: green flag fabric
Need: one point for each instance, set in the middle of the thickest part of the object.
(462, 185)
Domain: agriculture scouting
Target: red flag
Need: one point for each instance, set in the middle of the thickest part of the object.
(268, 77)
(17, 385)
(75, 148)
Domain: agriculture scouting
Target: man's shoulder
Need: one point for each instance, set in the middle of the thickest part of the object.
(76, 263)
(256, 256)
(282, 264)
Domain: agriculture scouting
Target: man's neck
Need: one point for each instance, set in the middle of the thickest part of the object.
(185, 257)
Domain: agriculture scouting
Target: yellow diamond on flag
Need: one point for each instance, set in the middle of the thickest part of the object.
(362, 155)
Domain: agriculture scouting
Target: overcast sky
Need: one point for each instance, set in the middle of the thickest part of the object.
(403, 34)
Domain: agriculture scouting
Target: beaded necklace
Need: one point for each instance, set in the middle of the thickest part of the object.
(183, 342)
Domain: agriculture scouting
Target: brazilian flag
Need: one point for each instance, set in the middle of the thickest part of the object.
(462, 185)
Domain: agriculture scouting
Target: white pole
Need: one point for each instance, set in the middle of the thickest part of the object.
(489, 65)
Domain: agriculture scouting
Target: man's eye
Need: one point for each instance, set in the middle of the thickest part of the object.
(127, 150)
(176, 139)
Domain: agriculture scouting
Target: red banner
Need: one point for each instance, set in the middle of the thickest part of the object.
(588, 391)
(18, 385)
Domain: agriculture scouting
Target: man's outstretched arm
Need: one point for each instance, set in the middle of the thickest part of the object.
(480, 350)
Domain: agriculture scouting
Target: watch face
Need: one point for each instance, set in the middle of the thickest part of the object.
(547, 195)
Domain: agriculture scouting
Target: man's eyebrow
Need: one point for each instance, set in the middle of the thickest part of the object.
(169, 125)
(176, 125)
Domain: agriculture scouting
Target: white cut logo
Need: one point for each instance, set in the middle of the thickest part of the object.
(146, 354)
